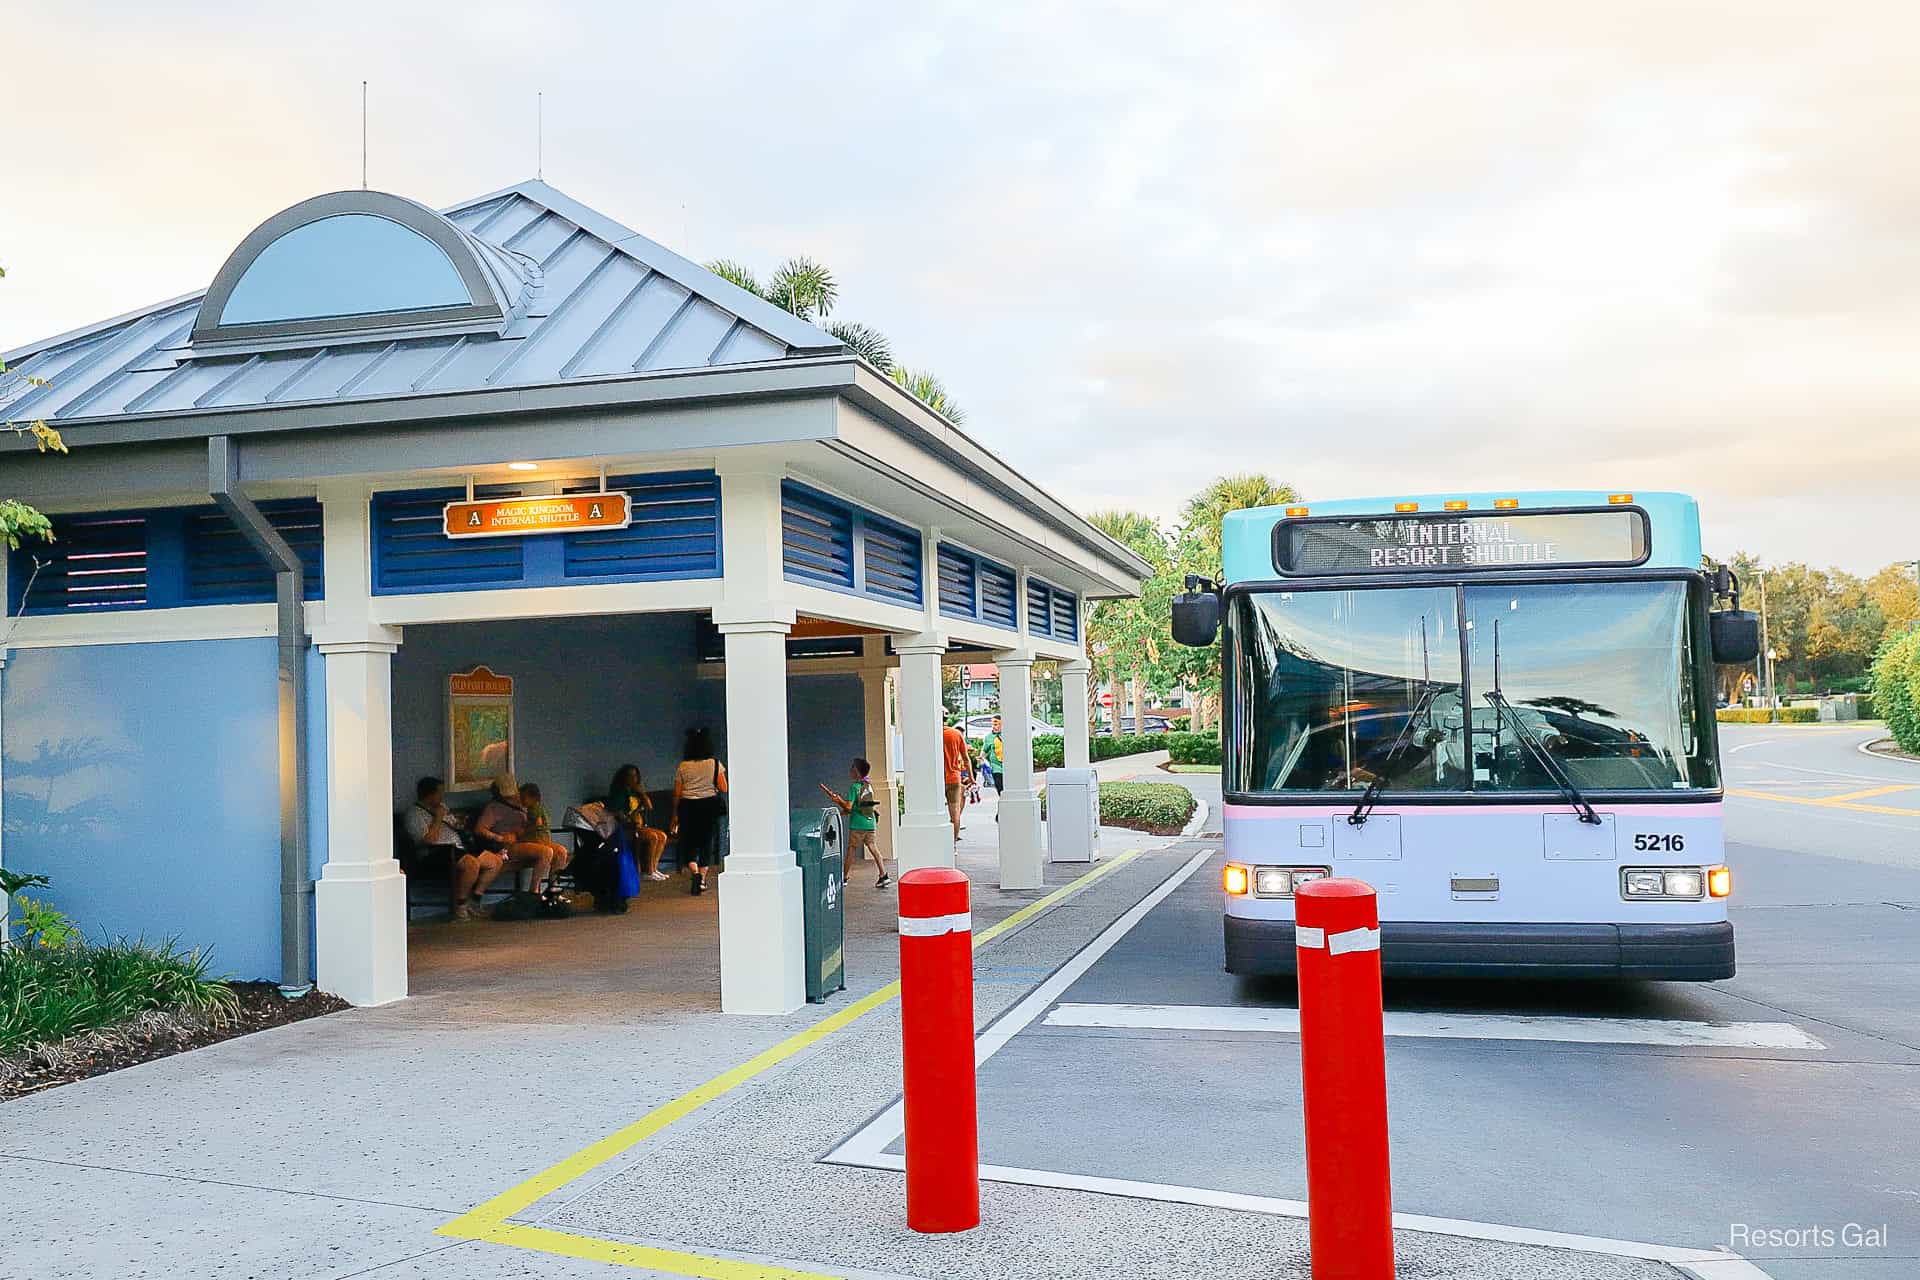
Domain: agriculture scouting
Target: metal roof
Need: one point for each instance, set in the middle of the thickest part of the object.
(587, 297)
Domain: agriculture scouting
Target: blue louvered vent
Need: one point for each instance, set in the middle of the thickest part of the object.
(675, 531)
(998, 603)
(816, 537)
(890, 560)
(1051, 611)
(223, 568)
(1066, 615)
(411, 551)
(94, 562)
(1039, 607)
(957, 576)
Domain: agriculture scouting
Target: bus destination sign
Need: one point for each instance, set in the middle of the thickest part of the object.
(1452, 541)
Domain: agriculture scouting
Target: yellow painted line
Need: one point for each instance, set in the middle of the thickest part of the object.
(1869, 792)
(488, 1221)
(640, 1256)
(1826, 804)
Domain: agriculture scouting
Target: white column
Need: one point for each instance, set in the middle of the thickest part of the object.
(925, 838)
(873, 701)
(762, 952)
(360, 900)
(1078, 753)
(1021, 865)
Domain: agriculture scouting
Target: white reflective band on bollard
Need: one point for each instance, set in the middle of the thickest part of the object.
(934, 926)
(1353, 940)
(1312, 939)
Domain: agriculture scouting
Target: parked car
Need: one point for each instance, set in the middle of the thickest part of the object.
(1154, 724)
(980, 726)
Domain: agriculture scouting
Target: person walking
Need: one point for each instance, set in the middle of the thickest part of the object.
(863, 821)
(996, 753)
(699, 798)
(959, 771)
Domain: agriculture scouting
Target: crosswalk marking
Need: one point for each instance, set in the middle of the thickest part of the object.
(1447, 1026)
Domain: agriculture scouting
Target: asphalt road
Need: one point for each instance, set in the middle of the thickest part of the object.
(1669, 1143)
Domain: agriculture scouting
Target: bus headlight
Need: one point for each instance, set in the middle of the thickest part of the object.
(1235, 880)
(1671, 884)
(1282, 882)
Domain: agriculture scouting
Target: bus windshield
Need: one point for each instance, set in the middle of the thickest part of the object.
(1336, 689)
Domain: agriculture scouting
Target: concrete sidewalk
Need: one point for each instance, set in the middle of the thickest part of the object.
(337, 1147)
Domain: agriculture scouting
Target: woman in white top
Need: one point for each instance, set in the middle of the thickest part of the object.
(699, 790)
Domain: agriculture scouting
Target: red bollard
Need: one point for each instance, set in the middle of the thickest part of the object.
(936, 1036)
(1343, 1068)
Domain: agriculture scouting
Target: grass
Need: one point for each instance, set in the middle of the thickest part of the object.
(48, 994)
(1193, 768)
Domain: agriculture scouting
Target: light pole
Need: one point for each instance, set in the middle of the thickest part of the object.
(1766, 676)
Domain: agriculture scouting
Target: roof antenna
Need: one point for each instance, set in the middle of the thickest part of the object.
(540, 137)
(363, 135)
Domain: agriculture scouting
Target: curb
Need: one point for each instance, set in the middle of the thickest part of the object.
(1867, 749)
(1198, 822)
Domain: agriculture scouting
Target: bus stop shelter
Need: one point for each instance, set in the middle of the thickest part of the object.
(384, 425)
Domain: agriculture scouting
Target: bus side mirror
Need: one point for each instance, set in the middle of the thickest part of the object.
(1736, 636)
(1196, 615)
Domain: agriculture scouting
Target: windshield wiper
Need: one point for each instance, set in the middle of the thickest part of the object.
(1545, 757)
(1371, 795)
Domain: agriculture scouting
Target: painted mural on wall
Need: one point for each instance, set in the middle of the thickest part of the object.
(479, 728)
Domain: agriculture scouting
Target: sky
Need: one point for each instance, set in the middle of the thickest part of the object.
(1366, 248)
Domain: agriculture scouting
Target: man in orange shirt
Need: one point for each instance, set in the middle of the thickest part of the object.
(959, 772)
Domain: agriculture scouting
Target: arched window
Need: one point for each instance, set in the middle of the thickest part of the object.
(350, 261)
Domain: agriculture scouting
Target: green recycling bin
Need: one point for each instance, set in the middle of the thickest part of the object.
(819, 838)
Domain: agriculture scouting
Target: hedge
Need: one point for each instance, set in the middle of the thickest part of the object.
(1194, 748)
(1159, 807)
(1761, 715)
(1050, 752)
(1896, 688)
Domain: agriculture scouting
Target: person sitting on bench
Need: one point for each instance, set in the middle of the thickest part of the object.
(432, 826)
(505, 827)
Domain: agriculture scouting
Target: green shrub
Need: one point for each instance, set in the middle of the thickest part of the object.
(1194, 748)
(1160, 807)
(1050, 752)
(1863, 705)
(1896, 688)
(48, 994)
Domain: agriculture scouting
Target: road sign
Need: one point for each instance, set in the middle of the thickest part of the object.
(1106, 697)
(513, 517)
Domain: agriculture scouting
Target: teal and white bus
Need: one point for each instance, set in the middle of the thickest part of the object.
(1497, 709)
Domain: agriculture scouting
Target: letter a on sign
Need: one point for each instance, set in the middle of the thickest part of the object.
(473, 519)
(594, 512)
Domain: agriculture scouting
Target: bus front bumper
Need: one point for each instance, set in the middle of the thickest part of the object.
(1416, 949)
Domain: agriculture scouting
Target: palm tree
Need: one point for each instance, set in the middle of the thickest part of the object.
(1198, 538)
(806, 288)
(1127, 633)
(1197, 550)
(930, 391)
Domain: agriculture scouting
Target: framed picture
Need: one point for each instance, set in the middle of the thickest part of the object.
(479, 728)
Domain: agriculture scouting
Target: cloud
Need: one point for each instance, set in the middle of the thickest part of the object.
(1368, 247)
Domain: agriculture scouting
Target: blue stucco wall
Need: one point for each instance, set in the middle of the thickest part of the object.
(140, 779)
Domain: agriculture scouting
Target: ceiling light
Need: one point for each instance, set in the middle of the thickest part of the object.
(523, 466)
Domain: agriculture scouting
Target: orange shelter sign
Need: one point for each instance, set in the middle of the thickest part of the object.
(512, 517)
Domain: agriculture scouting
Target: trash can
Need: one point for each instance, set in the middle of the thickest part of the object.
(1073, 815)
(819, 838)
